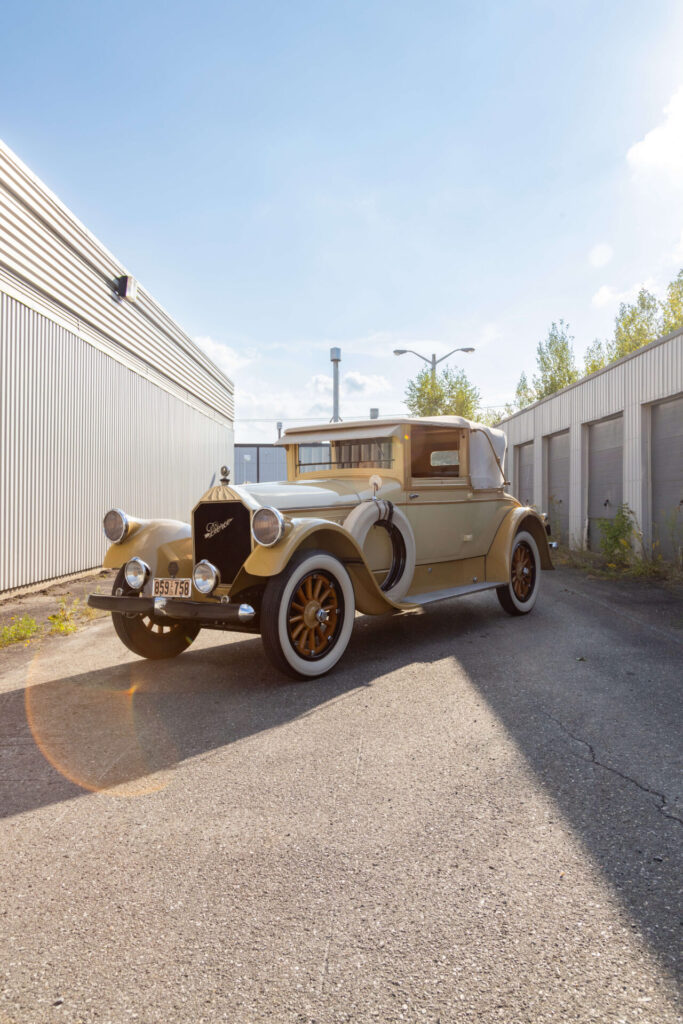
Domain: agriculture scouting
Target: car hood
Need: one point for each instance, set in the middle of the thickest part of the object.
(315, 494)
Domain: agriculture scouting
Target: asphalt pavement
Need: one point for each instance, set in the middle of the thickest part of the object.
(473, 818)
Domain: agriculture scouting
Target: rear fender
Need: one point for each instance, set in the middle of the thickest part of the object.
(498, 556)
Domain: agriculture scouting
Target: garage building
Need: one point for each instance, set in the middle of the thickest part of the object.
(616, 436)
(104, 400)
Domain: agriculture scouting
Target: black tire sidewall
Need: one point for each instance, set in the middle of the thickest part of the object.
(138, 639)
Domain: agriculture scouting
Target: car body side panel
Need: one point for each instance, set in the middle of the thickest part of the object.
(453, 523)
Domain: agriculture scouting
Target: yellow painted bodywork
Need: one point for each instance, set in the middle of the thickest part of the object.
(498, 557)
(463, 537)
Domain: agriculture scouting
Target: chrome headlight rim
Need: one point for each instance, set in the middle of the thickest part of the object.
(125, 525)
(207, 586)
(282, 524)
(141, 564)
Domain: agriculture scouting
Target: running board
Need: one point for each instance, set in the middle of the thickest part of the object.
(442, 595)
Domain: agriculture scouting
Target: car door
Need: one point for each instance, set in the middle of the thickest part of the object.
(450, 520)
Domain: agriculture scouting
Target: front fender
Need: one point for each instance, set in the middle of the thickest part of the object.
(157, 542)
(328, 536)
(498, 556)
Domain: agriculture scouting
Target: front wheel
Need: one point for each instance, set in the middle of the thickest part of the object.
(307, 615)
(518, 595)
(149, 637)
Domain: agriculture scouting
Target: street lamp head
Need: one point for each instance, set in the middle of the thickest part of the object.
(467, 350)
(400, 351)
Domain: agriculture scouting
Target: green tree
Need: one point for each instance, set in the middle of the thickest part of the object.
(524, 393)
(555, 361)
(595, 357)
(448, 393)
(672, 306)
(492, 416)
(636, 324)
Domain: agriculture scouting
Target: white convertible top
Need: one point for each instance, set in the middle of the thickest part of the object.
(487, 445)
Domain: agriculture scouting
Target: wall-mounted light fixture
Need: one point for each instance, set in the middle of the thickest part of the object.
(126, 287)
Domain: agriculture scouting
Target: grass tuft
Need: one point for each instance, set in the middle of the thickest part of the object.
(19, 630)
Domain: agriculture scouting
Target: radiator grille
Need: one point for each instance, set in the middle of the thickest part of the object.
(222, 534)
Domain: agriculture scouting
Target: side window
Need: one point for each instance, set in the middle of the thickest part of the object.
(438, 453)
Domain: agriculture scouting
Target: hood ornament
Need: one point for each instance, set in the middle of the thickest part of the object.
(225, 474)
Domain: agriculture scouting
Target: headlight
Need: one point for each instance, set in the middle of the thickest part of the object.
(116, 525)
(205, 577)
(136, 573)
(267, 526)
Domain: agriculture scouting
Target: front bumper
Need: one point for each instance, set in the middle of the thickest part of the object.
(226, 615)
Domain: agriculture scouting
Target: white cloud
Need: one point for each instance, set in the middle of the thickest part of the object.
(600, 255)
(360, 383)
(319, 384)
(226, 358)
(607, 295)
(660, 152)
(677, 254)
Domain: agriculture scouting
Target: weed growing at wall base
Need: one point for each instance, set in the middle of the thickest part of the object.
(19, 630)
(617, 535)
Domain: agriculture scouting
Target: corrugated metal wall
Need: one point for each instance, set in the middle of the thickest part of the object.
(102, 401)
(45, 248)
(629, 387)
(80, 433)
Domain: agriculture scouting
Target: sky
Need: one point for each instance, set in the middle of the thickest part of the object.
(284, 178)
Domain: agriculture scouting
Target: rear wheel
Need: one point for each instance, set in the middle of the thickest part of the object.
(518, 596)
(149, 637)
(307, 615)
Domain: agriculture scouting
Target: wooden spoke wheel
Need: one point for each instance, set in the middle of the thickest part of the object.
(147, 636)
(523, 571)
(518, 596)
(313, 615)
(307, 615)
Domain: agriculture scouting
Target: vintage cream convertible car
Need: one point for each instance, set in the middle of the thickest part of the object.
(375, 516)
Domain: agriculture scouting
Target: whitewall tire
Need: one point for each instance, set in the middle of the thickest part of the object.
(307, 615)
(519, 595)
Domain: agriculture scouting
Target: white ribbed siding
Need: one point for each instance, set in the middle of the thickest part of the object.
(630, 387)
(102, 401)
(81, 433)
(47, 252)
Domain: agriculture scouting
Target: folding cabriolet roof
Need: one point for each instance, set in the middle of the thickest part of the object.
(354, 430)
(487, 445)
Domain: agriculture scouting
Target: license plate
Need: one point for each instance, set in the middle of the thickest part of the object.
(172, 588)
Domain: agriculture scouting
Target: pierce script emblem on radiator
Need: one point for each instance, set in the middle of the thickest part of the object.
(213, 528)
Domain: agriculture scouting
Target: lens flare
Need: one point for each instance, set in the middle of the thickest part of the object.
(102, 730)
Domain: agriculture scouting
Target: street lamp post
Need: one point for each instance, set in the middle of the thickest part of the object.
(433, 362)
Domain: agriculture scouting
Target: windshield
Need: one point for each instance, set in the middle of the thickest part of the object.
(366, 453)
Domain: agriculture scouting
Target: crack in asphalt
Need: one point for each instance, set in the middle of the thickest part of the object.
(663, 803)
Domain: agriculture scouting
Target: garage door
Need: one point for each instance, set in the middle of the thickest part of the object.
(525, 473)
(605, 474)
(667, 477)
(558, 485)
